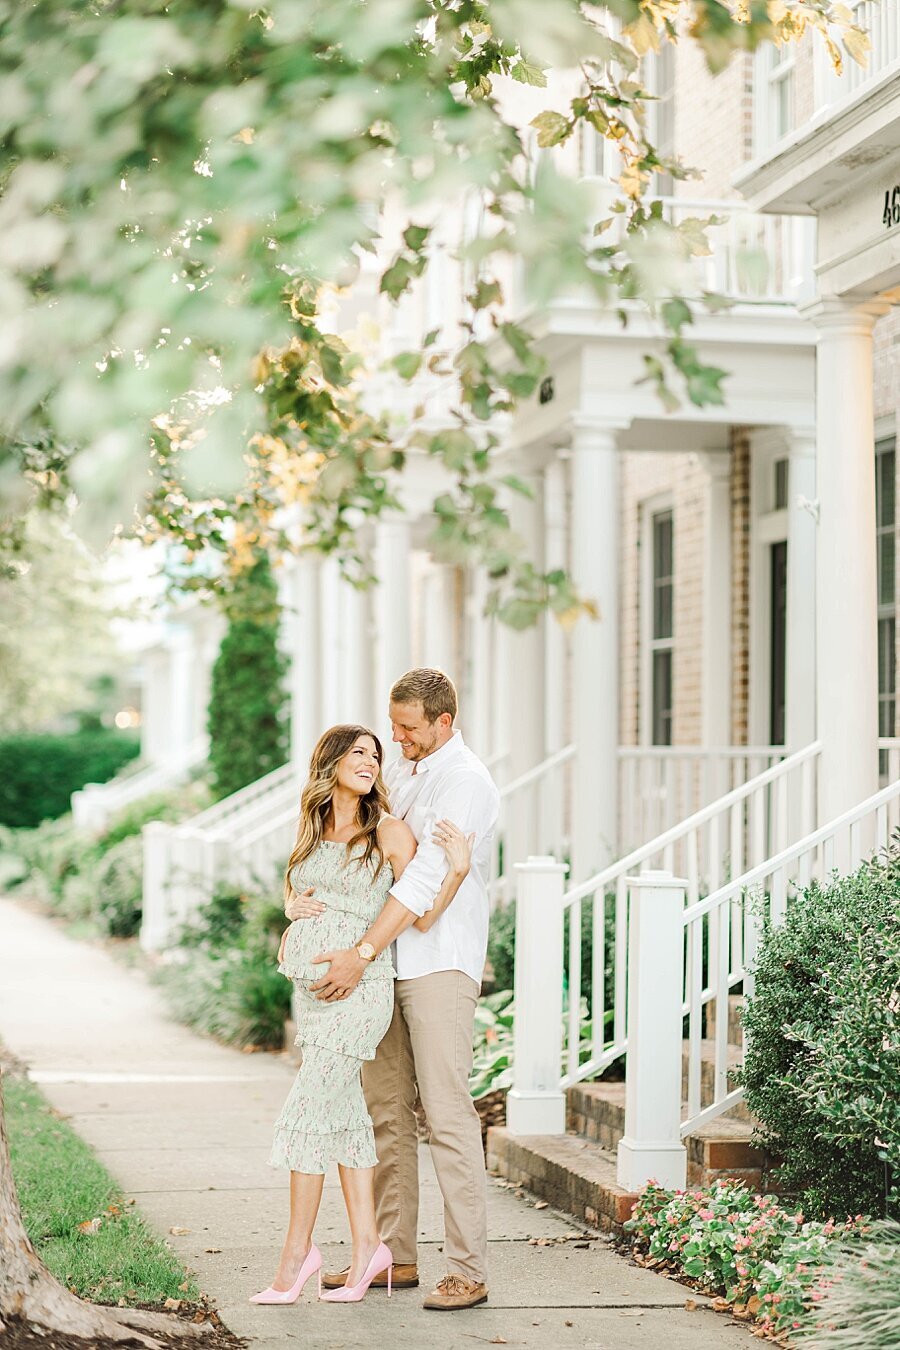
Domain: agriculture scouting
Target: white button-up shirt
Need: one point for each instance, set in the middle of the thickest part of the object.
(450, 784)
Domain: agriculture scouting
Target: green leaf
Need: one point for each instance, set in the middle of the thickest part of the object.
(486, 293)
(416, 236)
(675, 314)
(526, 73)
(552, 128)
(518, 485)
(407, 364)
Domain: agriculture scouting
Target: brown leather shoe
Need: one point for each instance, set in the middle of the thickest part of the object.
(403, 1277)
(455, 1291)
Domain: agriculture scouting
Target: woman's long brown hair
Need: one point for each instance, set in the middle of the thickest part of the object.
(316, 801)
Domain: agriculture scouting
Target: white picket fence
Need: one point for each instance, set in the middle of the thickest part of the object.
(676, 953)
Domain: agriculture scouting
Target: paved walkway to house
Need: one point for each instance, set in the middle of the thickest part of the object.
(184, 1125)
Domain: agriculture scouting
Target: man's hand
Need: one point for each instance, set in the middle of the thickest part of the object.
(344, 973)
(303, 906)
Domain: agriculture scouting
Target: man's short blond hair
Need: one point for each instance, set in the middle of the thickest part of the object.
(432, 688)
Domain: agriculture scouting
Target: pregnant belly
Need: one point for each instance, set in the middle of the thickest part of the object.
(329, 932)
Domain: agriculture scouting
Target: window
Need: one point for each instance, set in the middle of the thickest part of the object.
(780, 468)
(774, 94)
(662, 626)
(885, 543)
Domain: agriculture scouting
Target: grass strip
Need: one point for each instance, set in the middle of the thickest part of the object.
(76, 1215)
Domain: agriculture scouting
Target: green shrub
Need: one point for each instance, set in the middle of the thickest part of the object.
(763, 1258)
(49, 855)
(227, 983)
(38, 774)
(119, 882)
(855, 1306)
(170, 807)
(248, 729)
(823, 1059)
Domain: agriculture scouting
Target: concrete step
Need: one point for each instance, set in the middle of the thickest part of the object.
(735, 1007)
(567, 1171)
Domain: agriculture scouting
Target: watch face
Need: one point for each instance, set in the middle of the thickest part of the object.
(366, 951)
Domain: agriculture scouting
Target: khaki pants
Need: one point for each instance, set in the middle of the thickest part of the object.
(429, 1045)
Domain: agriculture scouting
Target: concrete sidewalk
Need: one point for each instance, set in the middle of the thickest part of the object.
(185, 1125)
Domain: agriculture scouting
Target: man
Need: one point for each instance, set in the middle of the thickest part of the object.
(429, 1043)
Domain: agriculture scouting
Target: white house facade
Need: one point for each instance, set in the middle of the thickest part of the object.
(730, 720)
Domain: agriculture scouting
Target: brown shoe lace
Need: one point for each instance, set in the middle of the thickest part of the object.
(454, 1284)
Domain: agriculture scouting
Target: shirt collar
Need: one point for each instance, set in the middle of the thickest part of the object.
(437, 757)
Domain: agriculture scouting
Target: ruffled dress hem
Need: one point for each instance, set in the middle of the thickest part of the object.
(311, 1152)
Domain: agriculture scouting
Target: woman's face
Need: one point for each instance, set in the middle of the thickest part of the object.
(358, 769)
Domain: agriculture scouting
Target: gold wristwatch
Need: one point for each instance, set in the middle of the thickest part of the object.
(366, 951)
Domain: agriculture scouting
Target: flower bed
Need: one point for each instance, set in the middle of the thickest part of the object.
(763, 1260)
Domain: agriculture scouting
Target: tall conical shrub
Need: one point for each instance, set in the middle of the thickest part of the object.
(248, 727)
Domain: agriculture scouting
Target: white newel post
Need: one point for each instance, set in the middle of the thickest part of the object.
(846, 602)
(800, 672)
(595, 646)
(535, 1103)
(156, 916)
(651, 1147)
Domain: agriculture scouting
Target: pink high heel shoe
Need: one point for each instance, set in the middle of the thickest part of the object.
(382, 1260)
(311, 1266)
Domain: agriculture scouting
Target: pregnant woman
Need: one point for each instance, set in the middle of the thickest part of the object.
(349, 850)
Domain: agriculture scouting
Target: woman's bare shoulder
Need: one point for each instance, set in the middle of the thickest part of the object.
(394, 833)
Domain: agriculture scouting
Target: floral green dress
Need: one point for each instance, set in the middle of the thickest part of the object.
(325, 1118)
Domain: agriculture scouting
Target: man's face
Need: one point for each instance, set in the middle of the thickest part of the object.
(415, 735)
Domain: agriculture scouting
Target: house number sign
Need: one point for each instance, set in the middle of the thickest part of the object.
(890, 216)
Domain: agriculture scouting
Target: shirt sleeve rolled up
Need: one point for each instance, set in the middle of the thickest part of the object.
(469, 803)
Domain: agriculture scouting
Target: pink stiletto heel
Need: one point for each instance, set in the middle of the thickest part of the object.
(311, 1266)
(381, 1260)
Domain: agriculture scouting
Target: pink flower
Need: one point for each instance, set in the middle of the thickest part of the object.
(705, 1214)
(817, 1296)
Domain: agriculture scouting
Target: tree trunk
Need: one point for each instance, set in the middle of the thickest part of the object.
(29, 1292)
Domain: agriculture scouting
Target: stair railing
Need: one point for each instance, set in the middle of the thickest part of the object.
(733, 914)
(740, 829)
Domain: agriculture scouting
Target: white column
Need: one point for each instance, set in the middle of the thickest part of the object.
(523, 703)
(554, 796)
(355, 656)
(439, 618)
(595, 646)
(391, 613)
(846, 602)
(475, 714)
(535, 1103)
(305, 647)
(716, 674)
(801, 591)
(651, 1145)
(182, 662)
(555, 556)
(155, 692)
(331, 642)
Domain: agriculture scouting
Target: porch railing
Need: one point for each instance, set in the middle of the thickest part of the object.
(731, 917)
(739, 830)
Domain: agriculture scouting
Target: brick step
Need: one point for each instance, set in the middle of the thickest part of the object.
(569, 1172)
(596, 1112)
(735, 1007)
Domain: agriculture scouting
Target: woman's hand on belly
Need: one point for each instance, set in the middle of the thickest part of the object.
(303, 906)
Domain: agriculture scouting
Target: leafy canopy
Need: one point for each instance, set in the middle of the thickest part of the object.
(183, 184)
